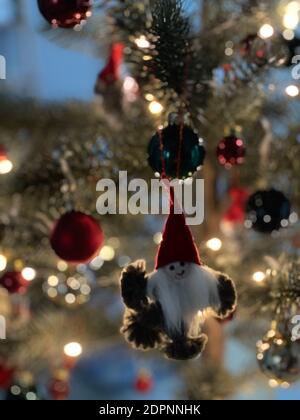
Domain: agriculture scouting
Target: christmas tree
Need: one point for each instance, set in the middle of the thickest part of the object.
(187, 90)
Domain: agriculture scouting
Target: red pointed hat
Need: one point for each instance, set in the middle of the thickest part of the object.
(177, 242)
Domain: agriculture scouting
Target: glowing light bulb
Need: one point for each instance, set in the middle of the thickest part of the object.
(292, 91)
(155, 108)
(5, 166)
(288, 34)
(266, 31)
(28, 273)
(273, 383)
(290, 20)
(259, 276)
(96, 263)
(157, 238)
(107, 253)
(3, 262)
(293, 7)
(215, 244)
(62, 266)
(142, 42)
(73, 349)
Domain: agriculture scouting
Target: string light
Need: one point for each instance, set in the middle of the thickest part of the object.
(73, 349)
(291, 18)
(292, 91)
(290, 21)
(157, 238)
(155, 108)
(266, 31)
(273, 383)
(62, 266)
(259, 276)
(288, 34)
(28, 273)
(215, 244)
(107, 253)
(96, 263)
(5, 166)
(142, 42)
(3, 262)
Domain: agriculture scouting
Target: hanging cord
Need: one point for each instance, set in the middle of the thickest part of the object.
(181, 115)
(161, 148)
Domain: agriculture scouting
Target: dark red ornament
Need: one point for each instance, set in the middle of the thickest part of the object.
(6, 376)
(231, 151)
(59, 389)
(144, 382)
(14, 282)
(237, 209)
(112, 71)
(77, 237)
(65, 13)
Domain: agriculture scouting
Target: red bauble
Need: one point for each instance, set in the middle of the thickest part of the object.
(6, 376)
(76, 237)
(65, 13)
(112, 71)
(14, 282)
(237, 210)
(231, 151)
(59, 389)
(144, 382)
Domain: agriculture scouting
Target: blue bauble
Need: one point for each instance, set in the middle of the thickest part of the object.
(167, 146)
(268, 210)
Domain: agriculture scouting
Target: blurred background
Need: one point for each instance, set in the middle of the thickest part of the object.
(81, 100)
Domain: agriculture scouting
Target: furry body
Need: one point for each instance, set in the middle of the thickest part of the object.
(162, 308)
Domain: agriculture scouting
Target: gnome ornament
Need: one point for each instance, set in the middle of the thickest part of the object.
(165, 309)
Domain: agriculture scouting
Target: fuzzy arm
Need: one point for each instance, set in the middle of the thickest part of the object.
(134, 285)
(227, 294)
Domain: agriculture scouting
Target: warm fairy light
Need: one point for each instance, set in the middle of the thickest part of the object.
(70, 298)
(142, 42)
(293, 7)
(285, 385)
(266, 31)
(129, 84)
(215, 244)
(53, 281)
(28, 273)
(290, 20)
(5, 166)
(107, 253)
(155, 107)
(96, 263)
(288, 34)
(149, 97)
(3, 262)
(157, 238)
(292, 91)
(273, 383)
(62, 266)
(259, 276)
(73, 349)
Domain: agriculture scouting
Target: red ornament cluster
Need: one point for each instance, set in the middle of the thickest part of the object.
(14, 282)
(59, 389)
(144, 382)
(231, 151)
(65, 13)
(77, 237)
(237, 209)
(6, 376)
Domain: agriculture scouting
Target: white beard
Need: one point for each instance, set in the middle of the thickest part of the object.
(185, 300)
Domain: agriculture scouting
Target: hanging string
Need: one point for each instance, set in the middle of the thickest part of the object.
(161, 148)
